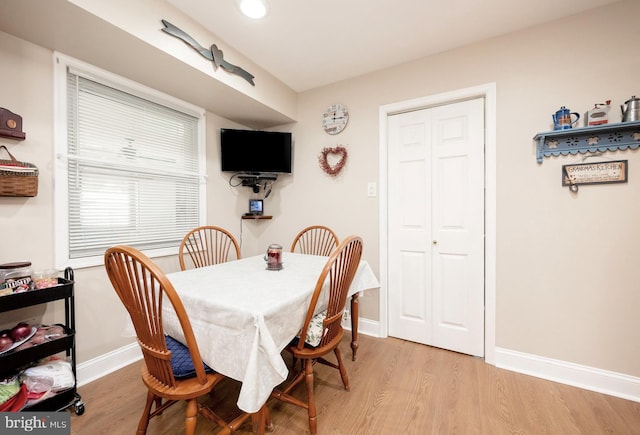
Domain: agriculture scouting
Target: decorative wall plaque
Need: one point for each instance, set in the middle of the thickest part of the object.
(595, 173)
(213, 53)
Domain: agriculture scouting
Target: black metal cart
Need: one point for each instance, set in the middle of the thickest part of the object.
(12, 362)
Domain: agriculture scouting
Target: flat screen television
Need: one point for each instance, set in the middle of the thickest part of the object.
(254, 151)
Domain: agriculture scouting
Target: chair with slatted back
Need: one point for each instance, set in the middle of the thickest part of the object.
(171, 371)
(315, 240)
(323, 331)
(208, 245)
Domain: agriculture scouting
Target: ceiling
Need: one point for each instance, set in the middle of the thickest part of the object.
(311, 43)
(304, 43)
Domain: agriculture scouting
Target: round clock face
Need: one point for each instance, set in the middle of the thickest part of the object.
(335, 118)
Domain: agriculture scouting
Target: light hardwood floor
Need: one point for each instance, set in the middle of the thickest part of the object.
(397, 387)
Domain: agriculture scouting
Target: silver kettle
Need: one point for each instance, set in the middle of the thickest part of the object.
(632, 113)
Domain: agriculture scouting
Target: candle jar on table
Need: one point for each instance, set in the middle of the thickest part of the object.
(273, 257)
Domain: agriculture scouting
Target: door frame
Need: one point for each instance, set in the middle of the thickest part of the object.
(488, 92)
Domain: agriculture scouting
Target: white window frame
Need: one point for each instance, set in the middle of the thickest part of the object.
(61, 198)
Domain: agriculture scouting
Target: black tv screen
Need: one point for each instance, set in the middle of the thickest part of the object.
(254, 151)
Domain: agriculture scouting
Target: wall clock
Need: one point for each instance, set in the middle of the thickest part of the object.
(335, 118)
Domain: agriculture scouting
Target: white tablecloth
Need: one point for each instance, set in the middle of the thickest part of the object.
(244, 315)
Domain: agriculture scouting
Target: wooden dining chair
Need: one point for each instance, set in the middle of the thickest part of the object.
(315, 240)
(208, 245)
(321, 333)
(171, 371)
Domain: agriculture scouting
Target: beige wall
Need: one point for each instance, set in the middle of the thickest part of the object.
(566, 274)
(566, 281)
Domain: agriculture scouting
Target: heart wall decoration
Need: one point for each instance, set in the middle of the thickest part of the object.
(338, 156)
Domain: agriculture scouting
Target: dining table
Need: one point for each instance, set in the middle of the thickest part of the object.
(243, 315)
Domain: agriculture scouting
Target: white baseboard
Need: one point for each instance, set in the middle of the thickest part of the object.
(365, 326)
(109, 362)
(589, 378)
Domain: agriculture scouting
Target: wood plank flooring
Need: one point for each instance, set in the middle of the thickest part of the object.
(397, 387)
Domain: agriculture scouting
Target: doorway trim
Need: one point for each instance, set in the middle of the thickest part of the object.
(488, 92)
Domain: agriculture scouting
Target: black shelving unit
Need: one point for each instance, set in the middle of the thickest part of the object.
(13, 361)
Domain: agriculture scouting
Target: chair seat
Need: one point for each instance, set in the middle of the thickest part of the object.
(315, 330)
(293, 343)
(181, 359)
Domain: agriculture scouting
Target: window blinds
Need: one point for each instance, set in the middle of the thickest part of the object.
(133, 170)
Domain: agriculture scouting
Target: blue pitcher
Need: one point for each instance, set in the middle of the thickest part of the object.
(562, 119)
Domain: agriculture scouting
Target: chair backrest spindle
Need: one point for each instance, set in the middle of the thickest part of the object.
(340, 269)
(208, 245)
(315, 240)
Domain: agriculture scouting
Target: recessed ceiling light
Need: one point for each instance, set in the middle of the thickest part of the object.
(255, 9)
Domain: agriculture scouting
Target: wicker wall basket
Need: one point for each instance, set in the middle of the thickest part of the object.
(17, 178)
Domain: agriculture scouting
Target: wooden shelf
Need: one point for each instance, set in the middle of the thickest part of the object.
(17, 135)
(256, 217)
(11, 125)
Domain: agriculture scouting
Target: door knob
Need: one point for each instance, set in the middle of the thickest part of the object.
(435, 242)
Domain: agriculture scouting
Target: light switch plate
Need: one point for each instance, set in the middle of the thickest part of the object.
(372, 189)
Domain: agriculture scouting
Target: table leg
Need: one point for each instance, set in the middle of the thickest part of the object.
(257, 421)
(354, 325)
(261, 420)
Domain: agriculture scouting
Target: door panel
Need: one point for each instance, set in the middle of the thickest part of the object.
(436, 226)
(411, 220)
(413, 287)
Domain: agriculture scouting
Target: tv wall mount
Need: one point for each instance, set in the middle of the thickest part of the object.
(257, 181)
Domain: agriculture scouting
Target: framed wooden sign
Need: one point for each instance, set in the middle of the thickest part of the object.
(595, 173)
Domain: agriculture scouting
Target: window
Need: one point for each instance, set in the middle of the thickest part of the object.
(130, 166)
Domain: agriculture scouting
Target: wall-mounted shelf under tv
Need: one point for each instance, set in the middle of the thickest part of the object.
(256, 217)
(599, 138)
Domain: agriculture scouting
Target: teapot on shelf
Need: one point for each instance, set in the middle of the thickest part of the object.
(562, 119)
(632, 113)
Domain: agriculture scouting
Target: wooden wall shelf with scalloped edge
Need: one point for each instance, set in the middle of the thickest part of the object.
(599, 138)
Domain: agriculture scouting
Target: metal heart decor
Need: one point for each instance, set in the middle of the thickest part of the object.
(340, 153)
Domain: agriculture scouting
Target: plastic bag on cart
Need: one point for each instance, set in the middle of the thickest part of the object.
(59, 372)
(38, 384)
